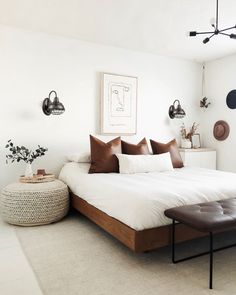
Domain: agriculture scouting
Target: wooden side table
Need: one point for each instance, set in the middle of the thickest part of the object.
(29, 204)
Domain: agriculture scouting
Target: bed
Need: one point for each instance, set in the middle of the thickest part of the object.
(131, 207)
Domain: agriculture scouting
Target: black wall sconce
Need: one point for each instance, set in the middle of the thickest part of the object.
(54, 107)
(176, 111)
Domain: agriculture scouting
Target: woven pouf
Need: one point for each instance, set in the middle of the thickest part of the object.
(29, 204)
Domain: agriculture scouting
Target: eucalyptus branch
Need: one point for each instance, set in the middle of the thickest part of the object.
(22, 153)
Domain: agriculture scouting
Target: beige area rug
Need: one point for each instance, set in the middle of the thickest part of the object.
(75, 257)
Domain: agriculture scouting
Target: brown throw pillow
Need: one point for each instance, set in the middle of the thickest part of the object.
(135, 149)
(103, 159)
(172, 148)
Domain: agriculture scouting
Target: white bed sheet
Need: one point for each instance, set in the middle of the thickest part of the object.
(139, 200)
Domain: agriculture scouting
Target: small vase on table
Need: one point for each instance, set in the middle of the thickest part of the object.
(29, 171)
(186, 143)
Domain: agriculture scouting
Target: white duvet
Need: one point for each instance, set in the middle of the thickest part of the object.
(139, 200)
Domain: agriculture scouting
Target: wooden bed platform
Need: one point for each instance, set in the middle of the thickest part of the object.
(138, 241)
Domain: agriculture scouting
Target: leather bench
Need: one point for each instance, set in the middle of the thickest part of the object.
(209, 217)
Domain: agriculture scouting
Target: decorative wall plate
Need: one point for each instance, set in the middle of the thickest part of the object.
(231, 99)
(221, 130)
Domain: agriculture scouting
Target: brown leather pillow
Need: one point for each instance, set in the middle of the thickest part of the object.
(135, 149)
(172, 148)
(103, 159)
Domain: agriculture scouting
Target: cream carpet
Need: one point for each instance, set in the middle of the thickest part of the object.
(75, 257)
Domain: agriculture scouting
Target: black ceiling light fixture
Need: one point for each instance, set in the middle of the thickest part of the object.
(54, 107)
(216, 30)
(176, 111)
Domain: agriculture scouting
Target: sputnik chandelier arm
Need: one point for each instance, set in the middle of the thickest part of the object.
(216, 30)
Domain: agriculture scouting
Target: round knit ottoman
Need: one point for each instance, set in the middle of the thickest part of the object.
(30, 204)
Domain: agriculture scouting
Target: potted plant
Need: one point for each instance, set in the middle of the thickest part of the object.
(21, 153)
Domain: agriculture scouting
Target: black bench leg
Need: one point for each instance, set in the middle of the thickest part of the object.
(211, 251)
(173, 241)
(211, 260)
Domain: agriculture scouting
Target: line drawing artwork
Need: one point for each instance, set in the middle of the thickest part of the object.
(120, 99)
(119, 104)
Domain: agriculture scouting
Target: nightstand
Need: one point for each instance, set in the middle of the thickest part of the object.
(202, 157)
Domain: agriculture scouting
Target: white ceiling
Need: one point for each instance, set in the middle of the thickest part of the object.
(155, 26)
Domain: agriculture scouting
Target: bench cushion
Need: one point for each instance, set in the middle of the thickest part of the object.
(206, 217)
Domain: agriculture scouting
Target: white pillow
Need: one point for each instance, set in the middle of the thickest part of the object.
(144, 163)
(79, 157)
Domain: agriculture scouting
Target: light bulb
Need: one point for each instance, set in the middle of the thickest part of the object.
(206, 40)
(192, 33)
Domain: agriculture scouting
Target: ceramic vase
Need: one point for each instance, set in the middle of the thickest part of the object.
(186, 143)
(28, 171)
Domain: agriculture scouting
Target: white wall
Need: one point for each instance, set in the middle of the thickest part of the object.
(220, 79)
(32, 64)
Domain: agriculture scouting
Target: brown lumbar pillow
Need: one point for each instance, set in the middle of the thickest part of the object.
(135, 149)
(172, 148)
(103, 159)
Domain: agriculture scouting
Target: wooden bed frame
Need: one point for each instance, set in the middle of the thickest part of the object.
(138, 241)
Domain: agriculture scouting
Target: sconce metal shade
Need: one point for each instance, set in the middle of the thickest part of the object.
(176, 111)
(54, 107)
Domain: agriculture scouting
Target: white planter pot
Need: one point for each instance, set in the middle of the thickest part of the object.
(186, 144)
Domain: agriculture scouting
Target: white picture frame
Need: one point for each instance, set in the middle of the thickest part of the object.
(118, 104)
(196, 141)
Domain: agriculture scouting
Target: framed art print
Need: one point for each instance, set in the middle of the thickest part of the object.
(196, 142)
(118, 104)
